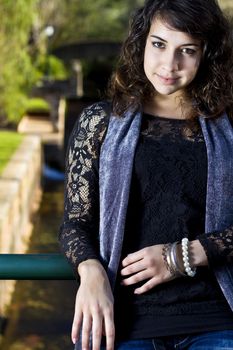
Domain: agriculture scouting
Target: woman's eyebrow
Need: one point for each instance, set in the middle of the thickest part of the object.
(165, 41)
(157, 37)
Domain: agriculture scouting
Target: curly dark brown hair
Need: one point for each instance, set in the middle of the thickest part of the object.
(212, 89)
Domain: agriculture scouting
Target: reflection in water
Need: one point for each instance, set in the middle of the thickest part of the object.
(41, 312)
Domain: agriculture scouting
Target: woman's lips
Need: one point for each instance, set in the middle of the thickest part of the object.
(167, 81)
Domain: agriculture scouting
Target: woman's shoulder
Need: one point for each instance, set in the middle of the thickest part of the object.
(92, 123)
(98, 112)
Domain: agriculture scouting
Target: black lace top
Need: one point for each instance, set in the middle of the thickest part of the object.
(167, 202)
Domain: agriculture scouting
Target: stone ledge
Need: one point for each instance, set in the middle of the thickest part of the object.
(20, 192)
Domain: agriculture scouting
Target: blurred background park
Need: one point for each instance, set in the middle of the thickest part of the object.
(56, 57)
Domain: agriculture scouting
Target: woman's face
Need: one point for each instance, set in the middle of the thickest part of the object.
(171, 58)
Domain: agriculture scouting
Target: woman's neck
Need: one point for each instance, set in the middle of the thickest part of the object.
(169, 106)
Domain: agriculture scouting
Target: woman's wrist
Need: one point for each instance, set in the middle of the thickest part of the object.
(88, 266)
(197, 254)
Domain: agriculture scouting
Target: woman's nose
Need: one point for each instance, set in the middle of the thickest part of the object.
(170, 61)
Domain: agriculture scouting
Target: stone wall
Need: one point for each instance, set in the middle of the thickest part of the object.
(20, 192)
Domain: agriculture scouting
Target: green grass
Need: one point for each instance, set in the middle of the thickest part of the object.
(37, 105)
(9, 142)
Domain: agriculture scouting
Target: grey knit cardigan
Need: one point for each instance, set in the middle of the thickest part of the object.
(116, 162)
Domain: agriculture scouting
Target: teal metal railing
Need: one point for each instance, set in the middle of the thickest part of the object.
(34, 267)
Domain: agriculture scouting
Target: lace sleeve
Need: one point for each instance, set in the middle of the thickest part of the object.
(79, 230)
(218, 246)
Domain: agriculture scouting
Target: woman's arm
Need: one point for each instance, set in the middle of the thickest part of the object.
(79, 230)
(218, 246)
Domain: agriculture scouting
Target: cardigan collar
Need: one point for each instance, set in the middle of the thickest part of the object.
(116, 163)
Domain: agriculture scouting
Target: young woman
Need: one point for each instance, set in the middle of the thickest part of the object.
(148, 223)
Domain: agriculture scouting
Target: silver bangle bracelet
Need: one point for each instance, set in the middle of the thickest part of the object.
(170, 259)
(166, 253)
(175, 260)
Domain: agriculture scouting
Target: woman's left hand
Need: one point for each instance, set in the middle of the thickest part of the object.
(146, 264)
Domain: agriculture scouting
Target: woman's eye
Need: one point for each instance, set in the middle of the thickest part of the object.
(188, 51)
(158, 44)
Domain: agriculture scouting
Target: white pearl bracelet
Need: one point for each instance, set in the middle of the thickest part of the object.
(190, 272)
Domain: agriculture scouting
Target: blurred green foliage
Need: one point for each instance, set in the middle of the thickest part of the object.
(24, 45)
(78, 20)
(51, 67)
(16, 67)
(22, 63)
(88, 20)
(37, 105)
(99, 19)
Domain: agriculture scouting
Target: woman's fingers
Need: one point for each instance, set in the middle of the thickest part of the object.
(132, 258)
(93, 325)
(105, 321)
(146, 265)
(147, 286)
(97, 326)
(134, 268)
(86, 331)
(95, 303)
(90, 322)
(109, 330)
(138, 277)
(77, 322)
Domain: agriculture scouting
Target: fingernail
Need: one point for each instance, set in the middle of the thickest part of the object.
(74, 340)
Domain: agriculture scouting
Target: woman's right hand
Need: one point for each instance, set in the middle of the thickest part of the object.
(93, 307)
